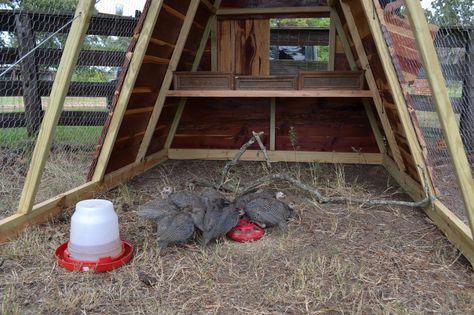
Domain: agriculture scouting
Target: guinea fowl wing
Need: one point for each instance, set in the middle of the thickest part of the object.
(223, 221)
(268, 212)
(213, 199)
(157, 209)
(175, 228)
(242, 200)
(191, 203)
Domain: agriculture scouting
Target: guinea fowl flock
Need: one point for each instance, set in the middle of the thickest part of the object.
(180, 215)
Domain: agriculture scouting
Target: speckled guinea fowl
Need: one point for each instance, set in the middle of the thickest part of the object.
(191, 203)
(158, 209)
(213, 199)
(268, 212)
(177, 228)
(219, 221)
(241, 201)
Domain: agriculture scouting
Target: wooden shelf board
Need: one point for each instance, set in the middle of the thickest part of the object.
(270, 93)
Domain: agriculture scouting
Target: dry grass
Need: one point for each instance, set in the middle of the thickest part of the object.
(64, 170)
(333, 260)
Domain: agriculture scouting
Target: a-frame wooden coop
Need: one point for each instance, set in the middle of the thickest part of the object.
(371, 123)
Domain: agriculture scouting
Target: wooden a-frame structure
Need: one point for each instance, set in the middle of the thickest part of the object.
(150, 122)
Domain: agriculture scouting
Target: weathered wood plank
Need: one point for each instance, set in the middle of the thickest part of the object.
(127, 89)
(277, 156)
(271, 93)
(370, 77)
(208, 33)
(183, 36)
(243, 47)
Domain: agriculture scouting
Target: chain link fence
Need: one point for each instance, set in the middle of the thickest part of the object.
(452, 30)
(32, 37)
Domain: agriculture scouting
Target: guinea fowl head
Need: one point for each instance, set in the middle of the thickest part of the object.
(166, 191)
(280, 195)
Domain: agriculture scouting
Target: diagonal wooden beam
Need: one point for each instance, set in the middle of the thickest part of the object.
(369, 76)
(127, 88)
(443, 104)
(160, 101)
(61, 85)
(197, 60)
(336, 20)
(399, 99)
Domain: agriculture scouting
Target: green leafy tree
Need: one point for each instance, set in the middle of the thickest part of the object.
(39, 5)
(452, 12)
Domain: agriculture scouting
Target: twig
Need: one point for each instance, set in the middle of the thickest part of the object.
(262, 147)
(326, 200)
(237, 157)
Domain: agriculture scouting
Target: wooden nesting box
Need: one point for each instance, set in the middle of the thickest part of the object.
(331, 80)
(203, 81)
(266, 82)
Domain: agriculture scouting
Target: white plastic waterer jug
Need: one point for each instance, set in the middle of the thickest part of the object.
(94, 231)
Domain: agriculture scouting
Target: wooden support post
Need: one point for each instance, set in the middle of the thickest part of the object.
(214, 50)
(443, 104)
(160, 101)
(56, 103)
(332, 41)
(272, 124)
(364, 61)
(212, 22)
(127, 88)
(29, 73)
(467, 112)
(352, 63)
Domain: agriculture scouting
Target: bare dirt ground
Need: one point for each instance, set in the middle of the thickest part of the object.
(340, 259)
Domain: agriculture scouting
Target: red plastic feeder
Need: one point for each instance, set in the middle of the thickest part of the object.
(246, 231)
(104, 264)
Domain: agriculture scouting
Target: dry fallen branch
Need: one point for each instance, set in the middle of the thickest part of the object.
(298, 184)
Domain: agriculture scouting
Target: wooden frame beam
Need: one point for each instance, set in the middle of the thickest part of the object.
(197, 60)
(165, 86)
(455, 230)
(278, 156)
(369, 76)
(397, 92)
(271, 93)
(61, 85)
(443, 104)
(335, 19)
(13, 225)
(332, 40)
(127, 88)
(272, 124)
(276, 10)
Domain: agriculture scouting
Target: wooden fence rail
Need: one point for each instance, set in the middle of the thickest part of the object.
(112, 25)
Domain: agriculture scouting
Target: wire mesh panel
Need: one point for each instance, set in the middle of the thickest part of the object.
(33, 35)
(451, 26)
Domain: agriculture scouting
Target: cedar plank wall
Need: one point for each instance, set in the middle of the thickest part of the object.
(243, 46)
(150, 76)
(187, 58)
(382, 83)
(323, 125)
(118, 87)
